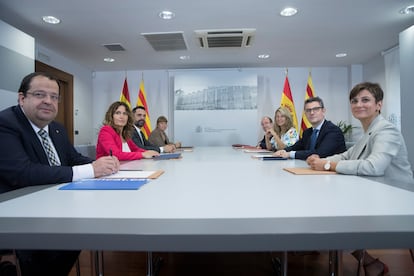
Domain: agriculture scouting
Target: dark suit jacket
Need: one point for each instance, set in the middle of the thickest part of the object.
(330, 141)
(262, 143)
(23, 161)
(146, 145)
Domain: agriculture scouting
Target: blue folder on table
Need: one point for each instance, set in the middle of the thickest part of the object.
(162, 156)
(105, 184)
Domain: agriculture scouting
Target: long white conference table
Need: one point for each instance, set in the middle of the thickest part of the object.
(214, 199)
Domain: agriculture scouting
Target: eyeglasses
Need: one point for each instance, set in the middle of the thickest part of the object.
(315, 109)
(42, 95)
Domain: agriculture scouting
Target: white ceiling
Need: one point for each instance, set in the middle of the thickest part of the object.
(321, 29)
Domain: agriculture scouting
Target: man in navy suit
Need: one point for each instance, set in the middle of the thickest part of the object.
(329, 139)
(28, 158)
(138, 137)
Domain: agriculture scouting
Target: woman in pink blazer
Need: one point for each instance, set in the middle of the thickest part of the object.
(115, 136)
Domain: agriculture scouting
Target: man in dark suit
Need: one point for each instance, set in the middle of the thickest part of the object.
(35, 151)
(324, 138)
(138, 137)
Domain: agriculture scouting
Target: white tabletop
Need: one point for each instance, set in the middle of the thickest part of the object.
(214, 199)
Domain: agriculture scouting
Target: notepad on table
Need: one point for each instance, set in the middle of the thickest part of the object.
(304, 171)
(243, 146)
(263, 154)
(105, 184)
(185, 148)
(257, 151)
(131, 174)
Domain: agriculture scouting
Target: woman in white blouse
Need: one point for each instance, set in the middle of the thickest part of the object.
(284, 134)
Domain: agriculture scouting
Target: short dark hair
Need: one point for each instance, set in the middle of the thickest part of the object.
(314, 99)
(25, 84)
(138, 107)
(373, 88)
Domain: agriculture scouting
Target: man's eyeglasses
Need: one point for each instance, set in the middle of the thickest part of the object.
(42, 95)
(315, 109)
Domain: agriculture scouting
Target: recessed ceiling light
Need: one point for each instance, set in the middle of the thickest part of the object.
(166, 15)
(51, 19)
(289, 11)
(263, 56)
(184, 57)
(109, 59)
(407, 10)
(340, 55)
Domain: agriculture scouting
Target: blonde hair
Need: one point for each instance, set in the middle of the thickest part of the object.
(289, 121)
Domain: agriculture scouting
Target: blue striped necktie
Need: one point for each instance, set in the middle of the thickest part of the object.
(48, 148)
(314, 136)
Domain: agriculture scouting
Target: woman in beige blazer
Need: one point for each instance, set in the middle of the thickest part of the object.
(158, 136)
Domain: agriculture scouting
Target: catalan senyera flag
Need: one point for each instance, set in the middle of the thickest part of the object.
(310, 92)
(142, 100)
(125, 94)
(287, 101)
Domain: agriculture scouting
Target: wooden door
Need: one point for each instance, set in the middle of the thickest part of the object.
(65, 112)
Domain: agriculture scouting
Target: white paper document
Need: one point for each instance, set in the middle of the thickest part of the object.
(131, 174)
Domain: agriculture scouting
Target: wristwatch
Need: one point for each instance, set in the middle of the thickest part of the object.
(327, 165)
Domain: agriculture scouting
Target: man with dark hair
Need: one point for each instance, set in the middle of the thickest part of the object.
(36, 151)
(324, 138)
(139, 113)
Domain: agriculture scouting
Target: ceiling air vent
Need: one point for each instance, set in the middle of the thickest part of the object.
(170, 41)
(115, 47)
(225, 38)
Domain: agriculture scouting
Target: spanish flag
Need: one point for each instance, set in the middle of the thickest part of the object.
(287, 101)
(309, 94)
(142, 101)
(125, 94)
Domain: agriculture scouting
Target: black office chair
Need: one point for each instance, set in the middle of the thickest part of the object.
(9, 264)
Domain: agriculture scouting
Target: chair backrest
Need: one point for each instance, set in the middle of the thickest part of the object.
(87, 150)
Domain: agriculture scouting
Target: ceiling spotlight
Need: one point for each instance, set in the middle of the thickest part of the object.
(263, 56)
(51, 19)
(109, 59)
(341, 55)
(407, 10)
(289, 11)
(166, 15)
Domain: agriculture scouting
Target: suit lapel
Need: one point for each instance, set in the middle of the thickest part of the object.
(37, 146)
(360, 147)
(56, 136)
